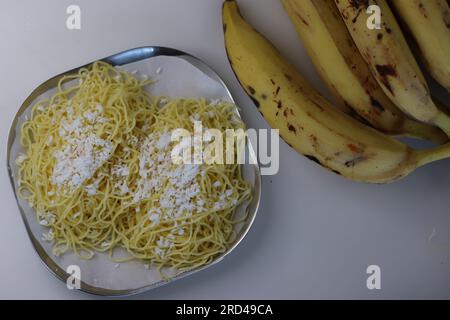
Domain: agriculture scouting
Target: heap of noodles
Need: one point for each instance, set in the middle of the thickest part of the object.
(97, 169)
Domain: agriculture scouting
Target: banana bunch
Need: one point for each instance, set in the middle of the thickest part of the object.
(391, 61)
(344, 71)
(307, 121)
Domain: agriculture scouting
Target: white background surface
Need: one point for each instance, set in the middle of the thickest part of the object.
(315, 233)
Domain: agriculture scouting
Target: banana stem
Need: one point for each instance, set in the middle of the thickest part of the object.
(423, 131)
(424, 157)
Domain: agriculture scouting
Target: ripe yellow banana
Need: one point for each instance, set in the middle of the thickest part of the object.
(391, 61)
(306, 120)
(429, 23)
(338, 61)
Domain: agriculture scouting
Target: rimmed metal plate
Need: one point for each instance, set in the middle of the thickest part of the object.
(100, 277)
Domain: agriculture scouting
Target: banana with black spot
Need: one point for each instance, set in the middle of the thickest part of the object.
(342, 68)
(306, 120)
(391, 61)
